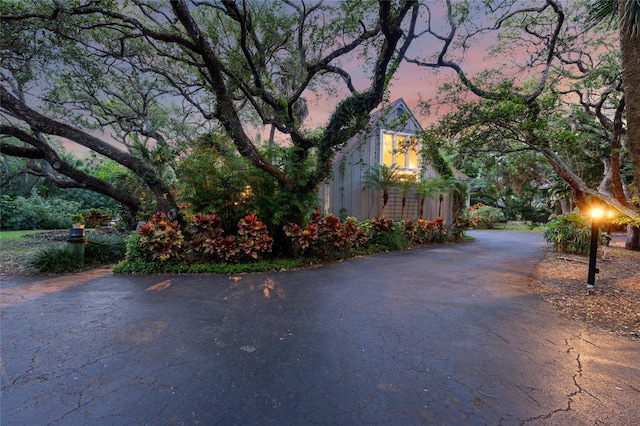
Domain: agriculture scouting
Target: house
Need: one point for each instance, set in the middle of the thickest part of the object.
(391, 141)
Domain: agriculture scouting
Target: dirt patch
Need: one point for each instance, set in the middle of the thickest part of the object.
(613, 304)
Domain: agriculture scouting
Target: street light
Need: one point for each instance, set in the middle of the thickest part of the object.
(596, 213)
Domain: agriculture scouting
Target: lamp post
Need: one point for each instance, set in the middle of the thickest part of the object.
(595, 214)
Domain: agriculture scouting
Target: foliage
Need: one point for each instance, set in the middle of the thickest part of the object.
(77, 219)
(483, 216)
(136, 73)
(213, 178)
(321, 238)
(206, 237)
(405, 184)
(55, 259)
(380, 177)
(163, 238)
(302, 237)
(8, 213)
(324, 236)
(253, 237)
(202, 240)
(37, 212)
(566, 98)
(135, 251)
(233, 188)
(387, 234)
(570, 234)
(425, 232)
(98, 250)
(95, 219)
(431, 151)
(440, 233)
(127, 267)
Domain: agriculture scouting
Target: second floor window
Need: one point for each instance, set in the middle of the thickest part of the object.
(400, 150)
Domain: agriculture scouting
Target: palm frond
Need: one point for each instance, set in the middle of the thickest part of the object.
(631, 20)
(602, 11)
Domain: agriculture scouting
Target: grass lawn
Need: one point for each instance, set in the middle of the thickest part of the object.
(519, 228)
(9, 236)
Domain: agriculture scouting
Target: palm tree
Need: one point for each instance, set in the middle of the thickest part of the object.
(627, 13)
(461, 190)
(381, 178)
(405, 184)
(425, 189)
(446, 185)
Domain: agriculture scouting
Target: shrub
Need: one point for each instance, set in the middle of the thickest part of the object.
(37, 212)
(324, 236)
(440, 231)
(388, 234)
(206, 236)
(102, 249)
(356, 236)
(253, 237)
(424, 232)
(483, 216)
(55, 259)
(301, 238)
(570, 234)
(8, 213)
(135, 251)
(96, 219)
(381, 225)
(99, 250)
(162, 238)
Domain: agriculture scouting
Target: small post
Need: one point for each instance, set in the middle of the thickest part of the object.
(593, 252)
(75, 243)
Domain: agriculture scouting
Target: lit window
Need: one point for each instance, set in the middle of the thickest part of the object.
(387, 149)
(400, 150)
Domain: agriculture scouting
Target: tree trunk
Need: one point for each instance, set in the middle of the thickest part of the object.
(630, 48)
(565, 205)
(272, 135)
(633, 238)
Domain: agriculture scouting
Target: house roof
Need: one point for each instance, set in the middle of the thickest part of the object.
(457, 173)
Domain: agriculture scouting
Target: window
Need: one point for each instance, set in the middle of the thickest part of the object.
(400, 150)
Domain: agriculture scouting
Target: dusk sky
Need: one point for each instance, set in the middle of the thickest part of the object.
(413, 83)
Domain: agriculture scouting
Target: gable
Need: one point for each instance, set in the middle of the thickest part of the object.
(396, 117)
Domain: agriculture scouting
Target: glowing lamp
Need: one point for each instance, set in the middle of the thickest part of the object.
(597, 213)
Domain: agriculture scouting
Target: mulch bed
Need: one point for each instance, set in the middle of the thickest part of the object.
(613, 304)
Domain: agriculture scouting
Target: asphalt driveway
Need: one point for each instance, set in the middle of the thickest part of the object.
(447, 334)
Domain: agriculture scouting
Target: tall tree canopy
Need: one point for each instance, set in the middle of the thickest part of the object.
(157, 72)
(548, 50)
